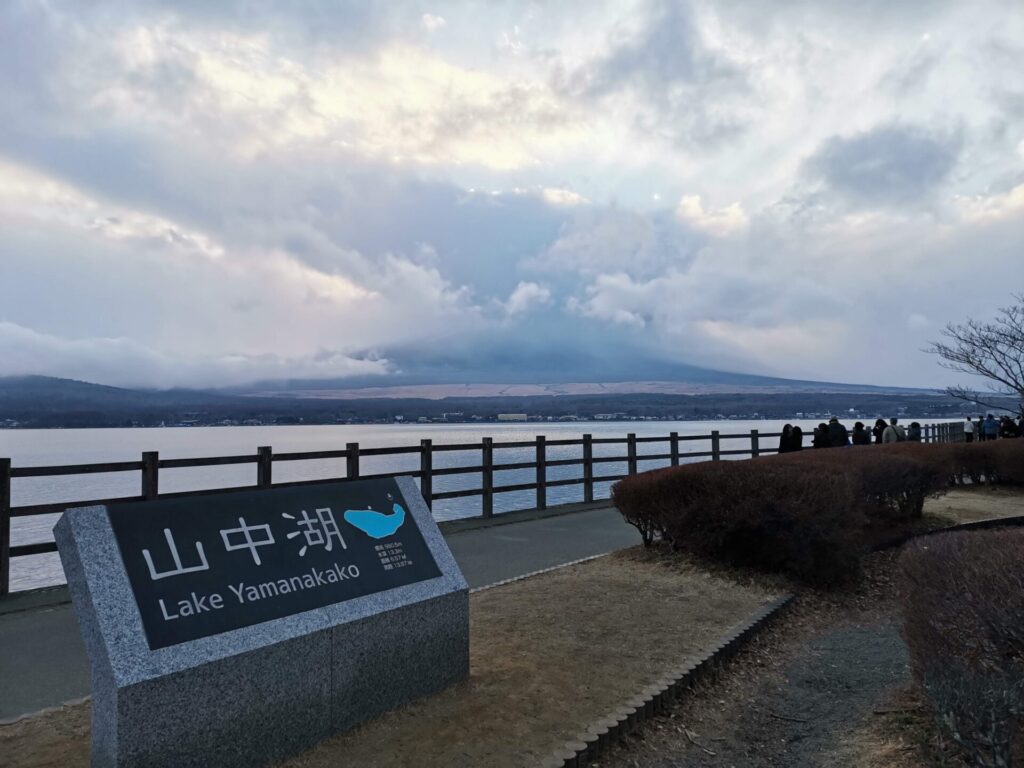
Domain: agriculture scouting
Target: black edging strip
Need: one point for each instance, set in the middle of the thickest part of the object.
(655, 699)
(973, 525)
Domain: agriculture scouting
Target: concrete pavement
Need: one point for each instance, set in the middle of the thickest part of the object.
(43, 663)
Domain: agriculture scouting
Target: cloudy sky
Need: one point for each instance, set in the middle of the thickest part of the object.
(200, 193)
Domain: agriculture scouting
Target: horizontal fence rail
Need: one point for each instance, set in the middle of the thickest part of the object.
(264, 460)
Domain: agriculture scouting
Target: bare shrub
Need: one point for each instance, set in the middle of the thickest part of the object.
(751, 513)
(1007, 459)
(641, 505)
(891, 482)
(974, 462)
(963, 607)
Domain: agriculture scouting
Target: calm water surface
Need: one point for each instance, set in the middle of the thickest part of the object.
(75, 446)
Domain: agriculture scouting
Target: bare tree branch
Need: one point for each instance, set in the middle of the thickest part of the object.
(992, 350)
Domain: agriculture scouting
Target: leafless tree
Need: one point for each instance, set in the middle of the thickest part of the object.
(993, 350)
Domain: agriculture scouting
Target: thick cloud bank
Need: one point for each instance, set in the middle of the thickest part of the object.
(213, 193)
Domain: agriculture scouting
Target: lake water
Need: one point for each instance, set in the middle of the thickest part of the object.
(79, 446)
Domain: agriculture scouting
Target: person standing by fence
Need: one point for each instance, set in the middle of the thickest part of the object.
(860, 435)
(878, 430)
(969, 430)
(821, 439)
(838, 436)
(990, 429)
(786, 439)
(894, 433)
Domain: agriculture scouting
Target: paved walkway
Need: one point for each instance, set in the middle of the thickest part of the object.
(43, 663)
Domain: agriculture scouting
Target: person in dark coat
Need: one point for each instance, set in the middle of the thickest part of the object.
(786, 439)
(838, 435)
(878, 429)
(798, 438)
(860, 435)
(914, 432)
(820, 439)
(989, 428)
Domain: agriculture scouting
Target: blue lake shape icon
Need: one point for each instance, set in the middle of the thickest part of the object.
(376, 525)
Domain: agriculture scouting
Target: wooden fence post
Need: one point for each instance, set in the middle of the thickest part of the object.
(264, 466)
(150, 475)
(427, 472)
(755, 444)
(542, 473)
(588, 468)
(487, 476)
(673, 447)
(351, 461)
(631, 453)
(716, 445)
(5, 527)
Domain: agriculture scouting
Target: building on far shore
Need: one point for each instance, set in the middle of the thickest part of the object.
(511, 417)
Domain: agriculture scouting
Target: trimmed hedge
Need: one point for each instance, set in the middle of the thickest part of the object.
(1008, 460)
(779, 512)
(963, 606)
(965, 463)
(890, 485)
(991, 462)
(762, 514)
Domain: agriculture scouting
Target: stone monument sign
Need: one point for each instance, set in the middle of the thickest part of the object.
(239, 628)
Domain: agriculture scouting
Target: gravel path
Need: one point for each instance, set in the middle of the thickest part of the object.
(791, 697)
(798, 717)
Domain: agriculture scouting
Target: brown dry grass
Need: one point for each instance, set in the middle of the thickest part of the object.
(549, 656)
(965, 505)
(901, 733)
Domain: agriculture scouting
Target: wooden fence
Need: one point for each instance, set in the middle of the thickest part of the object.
(150, 465)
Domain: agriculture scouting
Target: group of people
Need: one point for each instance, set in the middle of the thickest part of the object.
(990, 428)
(835, 434)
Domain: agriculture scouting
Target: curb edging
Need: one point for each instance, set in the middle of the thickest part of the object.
(656, 698)
(531, 574)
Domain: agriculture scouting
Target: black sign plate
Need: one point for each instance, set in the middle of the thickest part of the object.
(204, 565)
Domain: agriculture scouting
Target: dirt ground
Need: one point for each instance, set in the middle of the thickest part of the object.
(549, 656)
